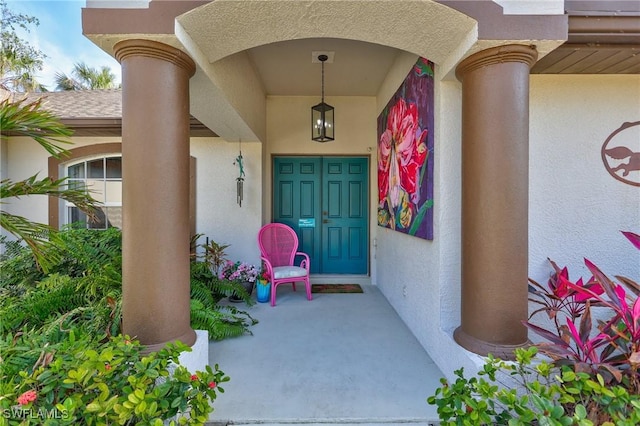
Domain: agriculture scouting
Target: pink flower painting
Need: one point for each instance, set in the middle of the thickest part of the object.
(405, 156)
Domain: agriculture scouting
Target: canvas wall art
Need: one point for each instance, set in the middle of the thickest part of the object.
(405, 155)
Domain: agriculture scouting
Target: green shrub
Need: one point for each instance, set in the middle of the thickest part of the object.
(83, 286)
(115, 382)
(594, 374)
(545, 395)
(221, 321)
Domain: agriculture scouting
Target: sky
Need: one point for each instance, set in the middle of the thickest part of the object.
(59, 36)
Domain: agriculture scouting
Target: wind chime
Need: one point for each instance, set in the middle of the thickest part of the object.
(240, 178)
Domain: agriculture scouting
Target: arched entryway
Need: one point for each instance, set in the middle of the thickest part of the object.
(221, 42)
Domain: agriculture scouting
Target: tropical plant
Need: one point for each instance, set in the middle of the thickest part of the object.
(113, 382)
(613, 349)
(207, 313)
(214, 254)
(84, 77)
(544, 395)
(19, 60)
(593, 376)
(28, 118)
(84, 286)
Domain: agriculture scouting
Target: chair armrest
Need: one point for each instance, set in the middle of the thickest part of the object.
(269, 267)
(305, 262)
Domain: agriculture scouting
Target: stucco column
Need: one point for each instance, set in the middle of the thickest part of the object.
(155, 194)
(495, 162)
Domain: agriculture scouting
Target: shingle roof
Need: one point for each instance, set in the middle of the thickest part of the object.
(95, 112)
(83, 103)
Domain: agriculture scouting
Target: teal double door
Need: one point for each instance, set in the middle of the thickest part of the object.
(325, 200)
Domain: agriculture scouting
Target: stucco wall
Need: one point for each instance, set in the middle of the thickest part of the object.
(421, 278)
(218, 216)
(576, 208)
(25, 158)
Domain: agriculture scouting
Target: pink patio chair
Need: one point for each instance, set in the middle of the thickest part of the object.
(278, 249)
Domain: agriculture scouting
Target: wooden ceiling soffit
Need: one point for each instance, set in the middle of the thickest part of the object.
(597, 44)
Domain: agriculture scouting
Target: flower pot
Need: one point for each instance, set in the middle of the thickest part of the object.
(248, 286)
(263, 291)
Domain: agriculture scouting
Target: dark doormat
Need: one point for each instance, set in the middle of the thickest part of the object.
(336, 288)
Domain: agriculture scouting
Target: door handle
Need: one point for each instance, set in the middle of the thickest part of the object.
(325, 220)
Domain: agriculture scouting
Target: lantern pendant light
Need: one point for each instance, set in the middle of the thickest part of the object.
(322, 123)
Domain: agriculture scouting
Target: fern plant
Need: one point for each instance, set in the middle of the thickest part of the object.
(84, 289)
(207, 313)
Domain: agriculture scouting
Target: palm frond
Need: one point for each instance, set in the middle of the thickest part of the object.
(59, 188)
(23, 118)
(66, 83)
(36, 235)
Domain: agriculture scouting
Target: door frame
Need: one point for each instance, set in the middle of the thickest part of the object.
(268, 214)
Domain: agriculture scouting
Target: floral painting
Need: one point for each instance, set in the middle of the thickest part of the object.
(405, 155)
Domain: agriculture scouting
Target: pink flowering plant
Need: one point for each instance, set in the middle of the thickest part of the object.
(238, 271)
(583, 373)
(111, 382)
(264, 278)
(611, 349)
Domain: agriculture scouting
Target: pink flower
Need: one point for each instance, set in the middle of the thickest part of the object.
(212, 385)
(401, 152)
(107, 367)
(27, 397)
(194, 377)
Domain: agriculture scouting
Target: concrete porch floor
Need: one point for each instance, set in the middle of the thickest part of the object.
(340, 358)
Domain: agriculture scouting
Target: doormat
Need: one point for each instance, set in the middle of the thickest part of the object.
(336, 288)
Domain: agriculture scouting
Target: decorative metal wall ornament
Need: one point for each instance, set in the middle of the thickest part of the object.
(240, 178)
(322, 115)
(624, 155)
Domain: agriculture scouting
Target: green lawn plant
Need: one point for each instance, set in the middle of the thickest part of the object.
(84, 286)
(109, 383)
(61, 342)
(63, 359)
(580, 374)
(546, 395)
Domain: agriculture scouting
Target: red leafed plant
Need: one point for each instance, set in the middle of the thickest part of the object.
(611, 349)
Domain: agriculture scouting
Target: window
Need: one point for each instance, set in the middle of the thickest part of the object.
(103, 177)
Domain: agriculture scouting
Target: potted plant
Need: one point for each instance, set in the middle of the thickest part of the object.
(243, 273)
(214, 253)
(263, 286)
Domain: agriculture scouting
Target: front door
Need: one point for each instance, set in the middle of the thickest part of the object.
(325, 200)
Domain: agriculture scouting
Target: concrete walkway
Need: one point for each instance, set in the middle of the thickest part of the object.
(340, 358)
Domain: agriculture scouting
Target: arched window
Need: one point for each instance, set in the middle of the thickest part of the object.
(102, 176)
(100, 167)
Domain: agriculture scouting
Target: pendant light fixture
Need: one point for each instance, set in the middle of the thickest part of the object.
(322, 124)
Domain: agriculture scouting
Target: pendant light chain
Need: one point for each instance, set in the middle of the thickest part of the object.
(322, 81)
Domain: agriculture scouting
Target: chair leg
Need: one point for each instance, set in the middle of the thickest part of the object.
(294, 285)
(307, 286)
(273, 294)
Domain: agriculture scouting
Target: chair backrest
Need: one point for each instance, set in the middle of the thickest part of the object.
(278, 243)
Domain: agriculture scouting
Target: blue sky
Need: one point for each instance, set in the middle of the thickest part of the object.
(59, 36)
